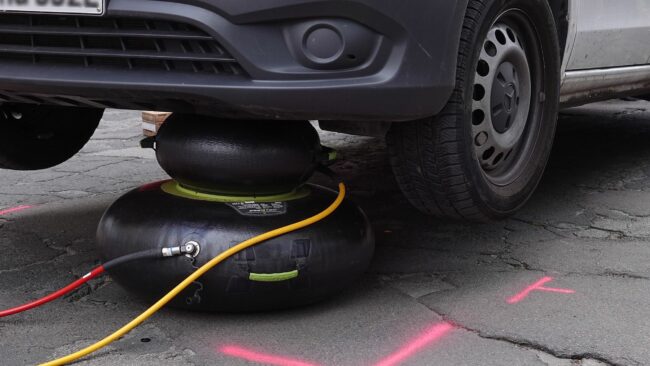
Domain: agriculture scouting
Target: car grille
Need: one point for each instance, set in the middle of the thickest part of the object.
(103, 43)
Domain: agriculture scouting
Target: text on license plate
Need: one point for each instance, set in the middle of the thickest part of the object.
(53, 6)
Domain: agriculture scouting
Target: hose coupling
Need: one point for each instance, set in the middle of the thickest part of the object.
(172, 252)
(190, 249)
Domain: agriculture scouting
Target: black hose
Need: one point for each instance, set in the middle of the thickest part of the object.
(145, 254)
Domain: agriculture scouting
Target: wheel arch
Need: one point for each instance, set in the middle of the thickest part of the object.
(560, 10)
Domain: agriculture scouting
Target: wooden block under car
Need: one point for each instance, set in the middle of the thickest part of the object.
(151, 122)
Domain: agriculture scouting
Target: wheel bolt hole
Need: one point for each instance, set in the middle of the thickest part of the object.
(479, 92)
(497, 160)
(511, 34)
(478, 116)
(487, 154)
(501, 38)
(483, 68)
(490, 48)
(481, 139)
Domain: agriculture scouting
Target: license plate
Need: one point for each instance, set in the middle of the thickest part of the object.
(88, 7)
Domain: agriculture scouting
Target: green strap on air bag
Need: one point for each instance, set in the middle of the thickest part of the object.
(273, 277)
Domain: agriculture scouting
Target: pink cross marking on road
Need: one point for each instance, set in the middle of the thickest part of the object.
(14, 209)
(538, 286)
(263, 358)
(432, 334)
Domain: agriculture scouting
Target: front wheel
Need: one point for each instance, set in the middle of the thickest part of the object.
(39, 137)
(482, 157)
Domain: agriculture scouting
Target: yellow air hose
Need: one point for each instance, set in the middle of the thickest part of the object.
(195, 276)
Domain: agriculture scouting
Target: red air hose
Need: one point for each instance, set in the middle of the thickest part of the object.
(55, 295)
(146, 254)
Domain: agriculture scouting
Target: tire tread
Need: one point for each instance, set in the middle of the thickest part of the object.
(434, 182)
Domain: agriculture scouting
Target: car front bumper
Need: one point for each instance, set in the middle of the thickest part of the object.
(384, 60)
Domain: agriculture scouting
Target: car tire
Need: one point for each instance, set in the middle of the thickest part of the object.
(39, 137)
(483, 155)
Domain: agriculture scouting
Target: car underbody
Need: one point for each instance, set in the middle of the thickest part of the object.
(474, 80)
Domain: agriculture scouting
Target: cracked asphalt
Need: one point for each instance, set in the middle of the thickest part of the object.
(587, 230)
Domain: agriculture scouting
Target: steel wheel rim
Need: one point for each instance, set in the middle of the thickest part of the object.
(503, 99)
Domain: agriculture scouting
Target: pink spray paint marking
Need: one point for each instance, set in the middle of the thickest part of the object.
(429, 336)
(14, 209)
(262, 358)
(408, 350)
(538, 286)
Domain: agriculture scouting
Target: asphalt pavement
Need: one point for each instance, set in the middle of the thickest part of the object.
(564, 282)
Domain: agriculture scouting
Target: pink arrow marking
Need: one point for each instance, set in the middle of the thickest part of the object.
(14, 209)
(538, 286)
